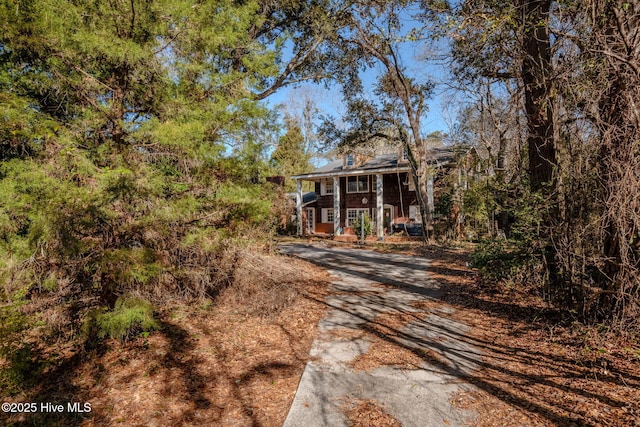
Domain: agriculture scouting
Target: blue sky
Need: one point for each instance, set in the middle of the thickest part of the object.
(329, 101)
(441, 108)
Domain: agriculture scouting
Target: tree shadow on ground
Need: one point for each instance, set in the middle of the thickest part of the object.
(188, 390)
(556, 394)
(196, 385)
(205, 393)
(56, 385)
(179, 356)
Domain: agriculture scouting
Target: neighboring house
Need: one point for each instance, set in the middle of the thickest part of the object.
(380, 187)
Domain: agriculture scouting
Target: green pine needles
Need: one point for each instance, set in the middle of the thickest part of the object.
(131, 161)
(129, 317)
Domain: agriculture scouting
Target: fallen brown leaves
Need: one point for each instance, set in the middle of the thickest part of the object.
(538, 370)
(222, 365)
(384, 353)
(550, 379)
(367, 413)
(382, 332)
(217, 367)
(214, 364)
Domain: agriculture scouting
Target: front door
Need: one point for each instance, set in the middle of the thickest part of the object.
(388, 217)
(310, 225)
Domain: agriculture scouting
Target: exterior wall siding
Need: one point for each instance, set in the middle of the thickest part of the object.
(392, 196)
(393, 191)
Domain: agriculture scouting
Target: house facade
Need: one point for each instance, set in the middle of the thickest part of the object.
(380, 187)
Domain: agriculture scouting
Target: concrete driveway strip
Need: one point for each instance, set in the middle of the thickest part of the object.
(416, 397)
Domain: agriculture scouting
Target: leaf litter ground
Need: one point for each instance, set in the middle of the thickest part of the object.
(210, 364)
(223, 365)
(538, 369)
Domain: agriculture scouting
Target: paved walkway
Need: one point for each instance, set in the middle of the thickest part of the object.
(416, 397)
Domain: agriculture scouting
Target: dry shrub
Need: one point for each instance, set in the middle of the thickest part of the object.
(192, 273)
(264, 284)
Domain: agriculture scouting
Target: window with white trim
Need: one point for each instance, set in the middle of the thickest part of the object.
(353, 214)
(349, 159)
(414, 213)
(327, 215)
(326, 187)
(358, 184)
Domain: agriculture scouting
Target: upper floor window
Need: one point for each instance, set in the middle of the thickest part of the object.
(405, 155)
(349, 160)
(357, 184)
(326, 187)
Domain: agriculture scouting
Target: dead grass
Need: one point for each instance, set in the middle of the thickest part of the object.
(263, 285)
(367, 413)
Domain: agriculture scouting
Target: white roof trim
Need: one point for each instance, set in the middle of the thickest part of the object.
(353, 172)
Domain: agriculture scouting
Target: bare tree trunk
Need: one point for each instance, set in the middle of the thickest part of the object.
(536, 72)
(418, 159)
(421, 190)
(412, 99)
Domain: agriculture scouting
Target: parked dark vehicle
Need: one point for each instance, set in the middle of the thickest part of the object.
(411, 229)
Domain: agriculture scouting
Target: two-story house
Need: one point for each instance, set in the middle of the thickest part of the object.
(380, 187)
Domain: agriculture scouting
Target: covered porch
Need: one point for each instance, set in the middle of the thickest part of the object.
(386, 197)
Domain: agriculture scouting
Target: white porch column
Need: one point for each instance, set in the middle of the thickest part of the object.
(299, 206)
(379, 207)
(336, 205)
(430, 204)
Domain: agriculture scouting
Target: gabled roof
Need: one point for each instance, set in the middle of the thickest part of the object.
(384, 163)
(380, 164)
(440, 156)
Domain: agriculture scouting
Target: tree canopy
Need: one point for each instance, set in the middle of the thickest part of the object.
(132, 150)
(134, 140)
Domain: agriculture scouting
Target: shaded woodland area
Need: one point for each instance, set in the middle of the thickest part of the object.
(556, 86)
(135, 143)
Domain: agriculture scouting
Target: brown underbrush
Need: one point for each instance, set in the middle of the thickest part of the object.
(367, 412)
(540, 365)
(235, 359)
